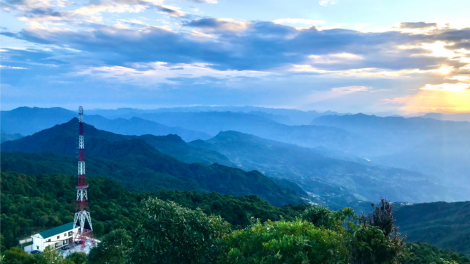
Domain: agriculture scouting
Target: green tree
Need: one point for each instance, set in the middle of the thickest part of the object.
(319, 216)
(376, 239)
(112, 249)
(52, 256)
(77, 257)
(284, 242)
(169, 233)
(98, 228)
(17, 256)
(322, 217)
(2, 244)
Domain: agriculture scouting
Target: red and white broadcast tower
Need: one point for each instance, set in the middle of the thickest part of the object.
(82, 216)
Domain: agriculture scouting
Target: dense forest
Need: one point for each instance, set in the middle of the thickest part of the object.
(202, 227)
(32, 204)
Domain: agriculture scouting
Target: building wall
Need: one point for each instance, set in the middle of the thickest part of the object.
(38, 242)
(56, 241)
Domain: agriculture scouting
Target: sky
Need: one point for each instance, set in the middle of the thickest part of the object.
(370, 56)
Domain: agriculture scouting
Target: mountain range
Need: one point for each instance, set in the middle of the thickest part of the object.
(432, 147)
(333, 160)
(428, 150)
(281, 115)
(136, 163)
(312, 168)
(27, 121)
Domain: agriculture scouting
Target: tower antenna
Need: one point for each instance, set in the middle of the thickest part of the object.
(82, 216)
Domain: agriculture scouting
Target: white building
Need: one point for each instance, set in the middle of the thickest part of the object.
(55, 237)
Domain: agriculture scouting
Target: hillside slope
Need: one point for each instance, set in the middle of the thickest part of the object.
(445, 225)
(174, 146)
(314, 171)
(140, 157)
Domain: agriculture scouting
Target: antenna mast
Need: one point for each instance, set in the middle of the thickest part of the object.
(82, 216)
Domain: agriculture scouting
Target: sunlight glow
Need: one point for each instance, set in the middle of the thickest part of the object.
(450, 87)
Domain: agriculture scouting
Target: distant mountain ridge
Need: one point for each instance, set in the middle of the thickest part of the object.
(137, 158)
(281, 115)
(198, 125)
(8, 137)
(393, 133)
(324, 175)
(449, 117)
(27, 121)
(433, 147)
(214, 122)
(137, 126)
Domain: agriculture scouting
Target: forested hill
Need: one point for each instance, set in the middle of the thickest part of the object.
(63, 139)
(31, 204)
(446, 225)
(141, 166)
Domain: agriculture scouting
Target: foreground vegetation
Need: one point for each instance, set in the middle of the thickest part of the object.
(169, 233)
(32, 204)
(187, 227)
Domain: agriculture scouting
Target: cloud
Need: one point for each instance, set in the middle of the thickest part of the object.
(449, 87)
(415, 25)
(242, 45)
(172, 11)
(398, 100)
(261, 45)
(321, 65)
(295, 21)
(156, 73)
(444, 97)
(54, 11)
(217, 24)
(459, 78)
(351, 89)
(436, 101)
(11, 67)
(335, 58)
(204, 1)
(318, 96)
(326, 2)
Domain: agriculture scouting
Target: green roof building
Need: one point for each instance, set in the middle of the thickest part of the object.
(56, 237)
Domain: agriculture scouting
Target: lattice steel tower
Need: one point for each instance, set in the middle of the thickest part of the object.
(82, 216)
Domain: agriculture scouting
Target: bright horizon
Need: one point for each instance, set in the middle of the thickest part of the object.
(346, 56)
